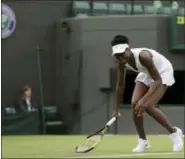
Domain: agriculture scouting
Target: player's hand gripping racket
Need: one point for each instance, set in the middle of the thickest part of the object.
(91, 141)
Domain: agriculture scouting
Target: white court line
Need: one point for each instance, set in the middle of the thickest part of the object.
(134, 135)
(130, 155)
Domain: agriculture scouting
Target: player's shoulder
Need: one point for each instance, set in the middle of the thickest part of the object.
(142, 49)
(138, 50)
(145, 51)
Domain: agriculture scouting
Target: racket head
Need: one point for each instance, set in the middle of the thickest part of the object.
(88, 144)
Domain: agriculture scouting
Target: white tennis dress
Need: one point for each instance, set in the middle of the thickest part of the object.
(162, 64)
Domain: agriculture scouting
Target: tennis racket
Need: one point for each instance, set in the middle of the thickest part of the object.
(91, 141)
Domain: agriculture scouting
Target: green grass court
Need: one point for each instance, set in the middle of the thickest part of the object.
(63, 147)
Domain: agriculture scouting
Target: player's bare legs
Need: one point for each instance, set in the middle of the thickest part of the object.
(139, 91)
(156, 113)
(160, 117)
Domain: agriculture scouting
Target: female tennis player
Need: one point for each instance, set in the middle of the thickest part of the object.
(155, 75)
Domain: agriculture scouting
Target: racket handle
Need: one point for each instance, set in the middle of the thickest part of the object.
(112, 120)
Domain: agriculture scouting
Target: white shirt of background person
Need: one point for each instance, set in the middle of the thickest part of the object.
(28, 101)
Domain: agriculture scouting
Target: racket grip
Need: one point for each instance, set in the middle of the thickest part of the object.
(112, 120)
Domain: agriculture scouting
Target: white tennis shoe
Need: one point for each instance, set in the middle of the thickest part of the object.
(176, 139)
(142, 145)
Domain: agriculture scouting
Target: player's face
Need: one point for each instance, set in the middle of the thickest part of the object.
(123, 57)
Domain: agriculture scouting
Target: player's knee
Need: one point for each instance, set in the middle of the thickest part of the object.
(134, 103)
(149, 109)
(148, 112)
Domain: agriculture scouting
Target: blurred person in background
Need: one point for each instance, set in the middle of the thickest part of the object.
(25, 102)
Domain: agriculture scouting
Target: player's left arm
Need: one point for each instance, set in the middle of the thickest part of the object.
(146, 60)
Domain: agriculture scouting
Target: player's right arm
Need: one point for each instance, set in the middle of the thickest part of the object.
(120, 85)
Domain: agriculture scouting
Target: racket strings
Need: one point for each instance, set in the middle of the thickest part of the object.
(88, 143)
